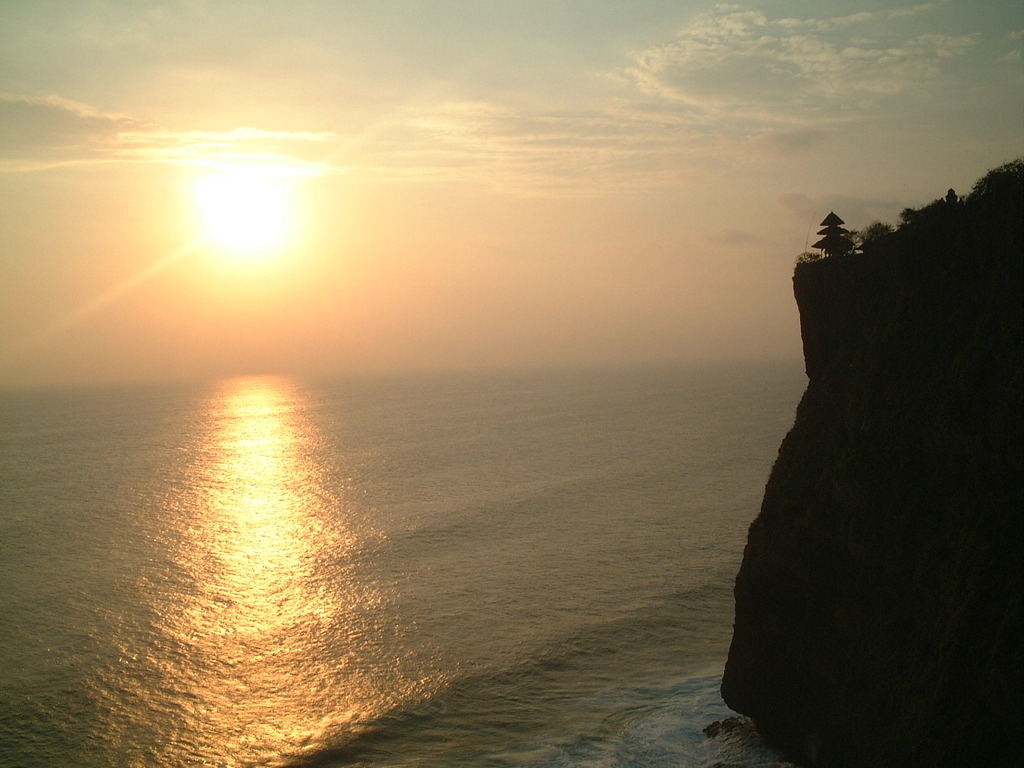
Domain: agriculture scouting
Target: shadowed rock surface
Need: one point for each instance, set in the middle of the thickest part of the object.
(878, 605)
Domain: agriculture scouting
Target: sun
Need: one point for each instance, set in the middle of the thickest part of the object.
(244, 210)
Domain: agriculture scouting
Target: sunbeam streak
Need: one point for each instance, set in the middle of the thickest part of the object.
(61, 325)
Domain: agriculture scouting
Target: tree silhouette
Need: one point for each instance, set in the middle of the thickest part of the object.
(1004, 181)
(872, 233)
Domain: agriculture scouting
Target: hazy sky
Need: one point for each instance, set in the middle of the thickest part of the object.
(468, 183)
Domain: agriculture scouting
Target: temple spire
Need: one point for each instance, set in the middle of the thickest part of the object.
(836, 240)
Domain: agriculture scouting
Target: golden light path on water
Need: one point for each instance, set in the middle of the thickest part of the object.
(273, 643)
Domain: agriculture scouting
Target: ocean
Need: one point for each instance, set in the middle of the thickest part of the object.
(473, 569)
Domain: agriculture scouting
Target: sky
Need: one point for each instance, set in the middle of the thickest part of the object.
(428, 185)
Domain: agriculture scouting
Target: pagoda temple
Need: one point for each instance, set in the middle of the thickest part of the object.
(836, 240)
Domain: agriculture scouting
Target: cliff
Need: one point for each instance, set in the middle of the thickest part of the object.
(878, 605)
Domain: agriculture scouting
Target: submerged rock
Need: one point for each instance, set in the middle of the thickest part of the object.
(878, 605)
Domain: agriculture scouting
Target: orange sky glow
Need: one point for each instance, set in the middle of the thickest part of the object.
(207, 189)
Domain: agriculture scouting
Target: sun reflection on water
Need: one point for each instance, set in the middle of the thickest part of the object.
(258, 541)
(267, 640)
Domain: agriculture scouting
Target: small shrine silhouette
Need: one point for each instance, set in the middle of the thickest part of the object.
(836, 240)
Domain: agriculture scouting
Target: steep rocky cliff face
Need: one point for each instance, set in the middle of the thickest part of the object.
(878, 606)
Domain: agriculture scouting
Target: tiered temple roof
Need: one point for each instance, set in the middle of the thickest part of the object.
(836, 240)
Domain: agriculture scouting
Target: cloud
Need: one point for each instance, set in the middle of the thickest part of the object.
(296, 149)
(792, 141)
(733, 62)
(1014, 56)
(48, 131)
(612, 144)
(733, 83)
(737, 237)
(38, 125)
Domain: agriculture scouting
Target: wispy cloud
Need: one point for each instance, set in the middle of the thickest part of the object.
(734, 62)
(49, 131)
(732, 82)
(550, 149)
(52, 130)
(1014, 55)
(296, 151)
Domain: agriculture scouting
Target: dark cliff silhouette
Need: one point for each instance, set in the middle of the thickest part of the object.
(878, 605)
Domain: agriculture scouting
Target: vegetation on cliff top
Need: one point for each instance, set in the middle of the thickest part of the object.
(996, 188)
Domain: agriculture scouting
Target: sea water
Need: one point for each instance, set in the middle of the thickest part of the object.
(500, 569)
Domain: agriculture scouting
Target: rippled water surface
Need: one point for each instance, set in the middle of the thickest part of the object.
(503, 569)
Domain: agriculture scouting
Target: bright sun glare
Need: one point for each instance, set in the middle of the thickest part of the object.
(246, 212)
